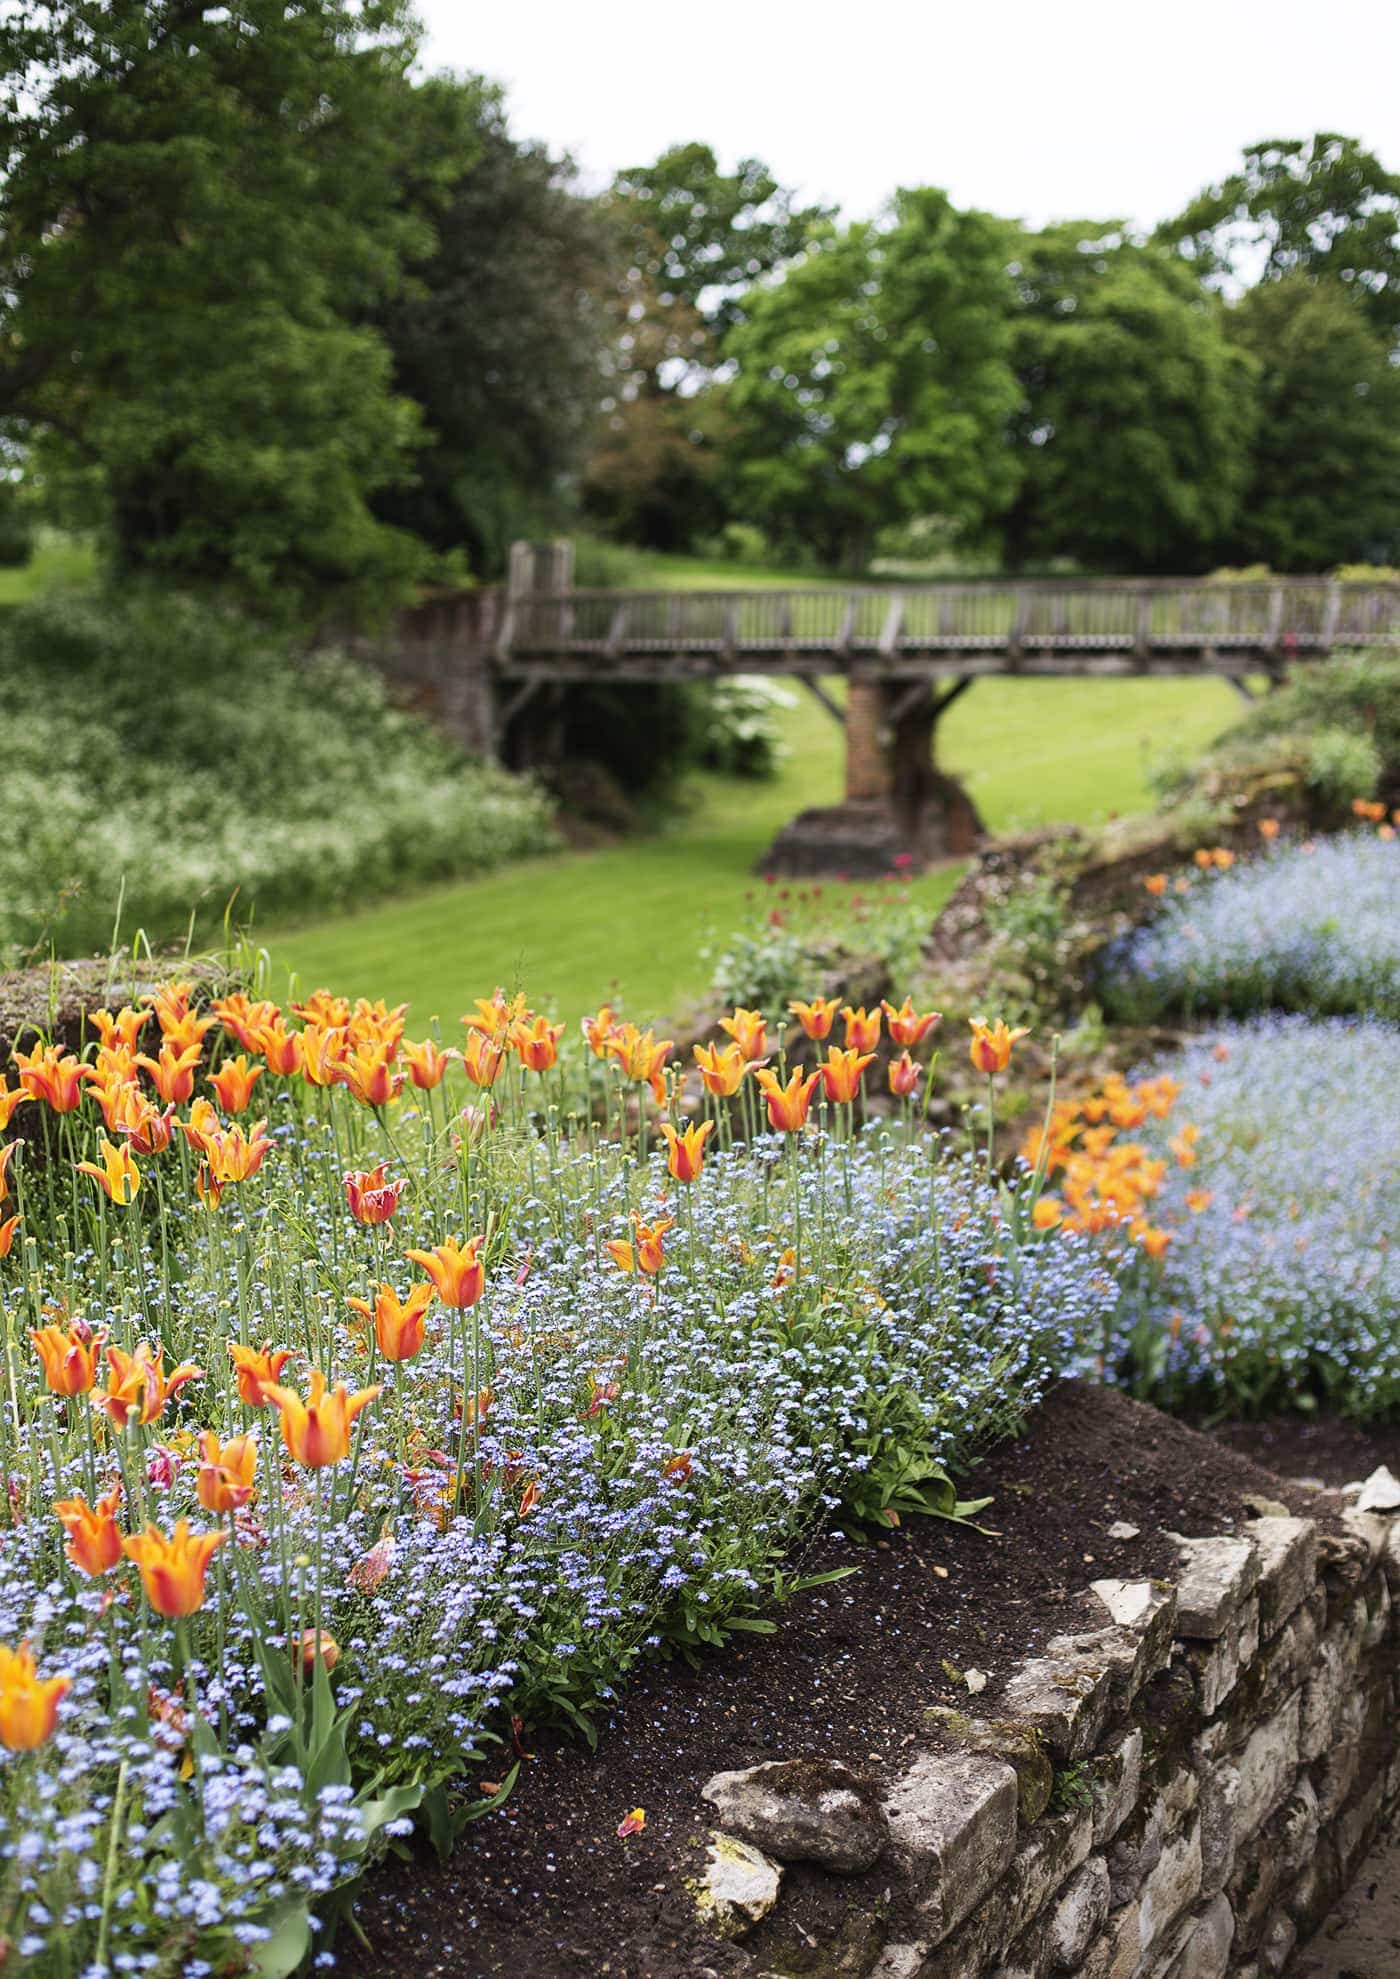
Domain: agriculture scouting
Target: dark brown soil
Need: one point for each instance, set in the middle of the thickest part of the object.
(1323, 1448)
(544, 1886)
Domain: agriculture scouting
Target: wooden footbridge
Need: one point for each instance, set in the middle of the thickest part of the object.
(906, 653)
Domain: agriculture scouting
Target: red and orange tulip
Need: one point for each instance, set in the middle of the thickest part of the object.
(721, 1068)
(398, 1323)
(862, 1028)
(224, 1481)
(118, 1177)
(94, 1542)
(52, 1075)
(138, 1387)
(537, 1043)
(749, 1031)
(685, 1153)
(370, 1073)
(317, 1431)
(456, 1270)
(841, 1074)
(28, 1702)
(597, 1030)
(122, 1030)
(234, 1082)
(647, 1254)
(7, 1155)
(10, 1099)
(323, 1054)
(992, 1045)
(816, 1017)
(427, 1063)
(172, 1073)
(372, 1199)
(279, 1046)
(483, 1055)
(904, 1075)
(173, 1566)
(69, 1357)
(256, 1370)
(642, 1058)
(788, 1105)
(907, 1026)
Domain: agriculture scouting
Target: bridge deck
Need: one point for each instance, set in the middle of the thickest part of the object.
(926, 631)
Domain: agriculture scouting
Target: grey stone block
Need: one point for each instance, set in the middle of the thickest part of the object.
(1217, 1575)
(952, 1818)
(1287, 1567)
(1078, 1916)
(803, 1810)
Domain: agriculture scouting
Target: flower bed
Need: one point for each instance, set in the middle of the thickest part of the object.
(1313, 927)
(618, 1382)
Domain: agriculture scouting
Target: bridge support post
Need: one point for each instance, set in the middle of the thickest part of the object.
(900, 810)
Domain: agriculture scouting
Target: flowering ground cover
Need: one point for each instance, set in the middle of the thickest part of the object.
(1311, 926)
(368, 1403)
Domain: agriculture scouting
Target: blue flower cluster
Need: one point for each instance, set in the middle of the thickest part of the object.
(1281, 1285)
(1310, 927)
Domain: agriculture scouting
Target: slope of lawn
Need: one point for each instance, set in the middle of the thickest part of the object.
(631, 920)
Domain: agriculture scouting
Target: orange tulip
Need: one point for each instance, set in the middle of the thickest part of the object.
(1048, 1213)
(325, 1011)
(648, 1253)
(310, 1648)
(233, 1155)
(279, 1046)
(7, 1155)
(1222, 858)
(904, 1075)
(537, 1043)
(1156, 884)
(788, 1105)
(147, 1129)
(53, 1075)
(172, 1073)
(722, 1070)
(138, 1387)
(907, 1025)
(862, 1028)
(10, 1100)
(28, 1702)
(398, 1323)
(642, 1058)
(172, 1568)
(122, 1030)
(427, 1063)
(597, 1030)
(256, 1371)
(375, 1023)
(1268, 827)
(841, 1074)
(371, 1198)
(686, 1152)
(816, 1017)
(234, 1083)
(242, 1017)
(1202, 857)
(7, 1234)
(69, 1358)
(171, 1003)
(118, 1177)
(323, 1053)
(94, 1543)
(317, 1431)
(494, 1015)
(370, 1074)
(224, 1481)
(991, 1046)
(458, 1275)
(482, 1058)
(749, 1031)
(1154, 1242)
(1199, 1200)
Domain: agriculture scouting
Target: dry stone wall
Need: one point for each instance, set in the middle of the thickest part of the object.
(1181, 1793)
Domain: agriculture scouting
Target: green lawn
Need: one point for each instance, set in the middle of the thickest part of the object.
(57, 559)
(576, 928)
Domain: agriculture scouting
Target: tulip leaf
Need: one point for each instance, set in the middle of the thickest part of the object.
(287, 1944)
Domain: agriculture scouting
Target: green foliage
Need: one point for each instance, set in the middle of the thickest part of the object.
(874, 382)
(1325, 479)
(737, 725)
(1343, 765)
(197, 206)
(1323, 207)
(169, 754)
(1136, 411)
(795, 938)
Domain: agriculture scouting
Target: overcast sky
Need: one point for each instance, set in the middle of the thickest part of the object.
(1088, 108)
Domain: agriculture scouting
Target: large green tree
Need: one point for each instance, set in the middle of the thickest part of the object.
(874, 381)
(200, 207)
(689, 243)
(1136, 407)
(1325, 471)
(1323, 206)
(499, 330)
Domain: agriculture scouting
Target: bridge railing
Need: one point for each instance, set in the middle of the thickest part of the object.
(1303, 615)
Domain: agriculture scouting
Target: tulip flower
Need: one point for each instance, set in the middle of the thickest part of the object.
(456, 1270)
(233, 1155)
(242, 1017)
(171, 1003)
(370, 1074)
(138, 1387)
(147, 1129)
(862, 1028)
(172, 1073)
(482, 1058)
(647, 1254)
(94, 1542)
(8, 1227)
(224, 1480)
(10, 1099)
(69, 1358)
(255, 1371)
(537, 1043)
(118, 1177)
(28, 1702)
(371, 1198)
(376, 1024)
(991, 1046)
(722, 1070)
(53, 1075)
(597, 1031)
(280, 1047)
(312, 1647)
(904, 1075)
(642, 1058)
(494, 1015)
(187, 1030)
(1156, 884)
(122, 1030)
(317, 1431)
(173, 1567)
(7, 1155)
(841, 1074)
(749, 1032)
(685, 1153)
(1048, 1213)
(325, 1011)
(908, 1026)
(323, 1053)
(234, 1082)
(816, 1017)
(788, 1105)
(427, 1063)
(398, 1323)
(1222, 858)
(1268, 828)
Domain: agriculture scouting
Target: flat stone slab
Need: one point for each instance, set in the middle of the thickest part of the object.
(1217, 1576)
(952, 1817)
(804, 1810)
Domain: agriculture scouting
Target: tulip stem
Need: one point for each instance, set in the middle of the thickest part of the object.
(110, 1871)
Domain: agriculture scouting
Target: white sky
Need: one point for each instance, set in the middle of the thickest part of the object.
(1081, 109)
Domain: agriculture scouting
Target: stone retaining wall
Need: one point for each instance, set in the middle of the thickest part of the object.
(1182, 1793)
